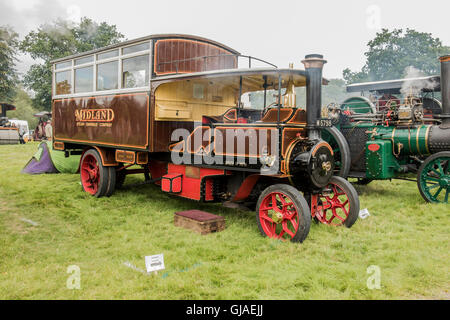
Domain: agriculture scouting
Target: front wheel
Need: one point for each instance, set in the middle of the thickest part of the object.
(337, 205)
(341, 150)
(282, 213)
(433, 178)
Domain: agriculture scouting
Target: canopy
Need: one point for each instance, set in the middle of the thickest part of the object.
(252, 79)
(431, 83)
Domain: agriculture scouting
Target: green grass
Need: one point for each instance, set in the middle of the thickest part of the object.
(405, 237)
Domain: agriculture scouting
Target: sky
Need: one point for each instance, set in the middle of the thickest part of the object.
(279, 31)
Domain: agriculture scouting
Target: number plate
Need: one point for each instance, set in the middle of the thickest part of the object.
(324, 123)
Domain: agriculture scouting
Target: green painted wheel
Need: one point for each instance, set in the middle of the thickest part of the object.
(433, 178)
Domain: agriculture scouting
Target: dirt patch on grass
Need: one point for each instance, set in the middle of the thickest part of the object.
(11, 219)
(438, 295)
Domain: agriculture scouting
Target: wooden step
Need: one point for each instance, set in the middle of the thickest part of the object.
(199, 221)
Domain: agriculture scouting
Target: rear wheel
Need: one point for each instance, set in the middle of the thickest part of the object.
(120, 176)
(111, 185)
(337, 205)
(94, 176)
(282, 213)
(433, 178)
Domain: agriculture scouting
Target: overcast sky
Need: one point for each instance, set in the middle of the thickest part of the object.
(279, 31)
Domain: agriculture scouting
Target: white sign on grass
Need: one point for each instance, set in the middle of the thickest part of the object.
(154, 263)
(364, 213)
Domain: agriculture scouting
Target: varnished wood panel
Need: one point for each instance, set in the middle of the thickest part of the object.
(169, 52)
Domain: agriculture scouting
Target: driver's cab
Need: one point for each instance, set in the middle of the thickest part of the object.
(217, 98)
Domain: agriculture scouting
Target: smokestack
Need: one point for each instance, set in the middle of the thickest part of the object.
(445, 91)
(313, 66)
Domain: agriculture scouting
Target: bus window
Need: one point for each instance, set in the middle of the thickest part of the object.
(107, 77)
(107, 55)
(63, 82)
(63, 65)
(136, 48)
(84, 60)
(84, 79)
(135, 72)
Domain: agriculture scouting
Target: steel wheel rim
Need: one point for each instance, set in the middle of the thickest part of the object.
(435, 180)
(278, 216)
(336, 150)
(333, 208)
(90, 174)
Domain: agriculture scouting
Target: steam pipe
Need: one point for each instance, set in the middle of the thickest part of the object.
(313, 67)
(445, 91)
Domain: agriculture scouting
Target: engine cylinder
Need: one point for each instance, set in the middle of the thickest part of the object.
(311, 166)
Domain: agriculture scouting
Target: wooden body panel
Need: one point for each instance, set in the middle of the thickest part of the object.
(115, 120)
(186, 56)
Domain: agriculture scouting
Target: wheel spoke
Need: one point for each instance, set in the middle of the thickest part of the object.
(294, 224)
(435, 171)
(267, 218)
(441, 170)
(286, 229)
(428, 178)
(432, 186)
(275, 203)
(438, 192)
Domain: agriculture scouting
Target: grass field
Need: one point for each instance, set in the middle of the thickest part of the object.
(405, 237)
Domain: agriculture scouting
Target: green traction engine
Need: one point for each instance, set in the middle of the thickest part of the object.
(395, 141)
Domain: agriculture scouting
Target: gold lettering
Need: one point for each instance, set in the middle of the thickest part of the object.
(101, 115)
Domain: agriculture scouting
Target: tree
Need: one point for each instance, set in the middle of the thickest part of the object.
(392, 52)
(8, 72)
(57, 40)
(24, 109)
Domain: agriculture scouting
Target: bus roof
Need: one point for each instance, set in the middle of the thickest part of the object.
(253, 79)
(154, 36)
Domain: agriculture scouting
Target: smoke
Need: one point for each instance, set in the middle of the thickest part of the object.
(25, 19)
(415, 86)
(25, 16)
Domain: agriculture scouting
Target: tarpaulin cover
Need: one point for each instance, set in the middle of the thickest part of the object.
(46, 160)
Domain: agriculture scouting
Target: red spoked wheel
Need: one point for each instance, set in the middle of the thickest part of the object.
(96, 179)
(282, 213)
(337, 205)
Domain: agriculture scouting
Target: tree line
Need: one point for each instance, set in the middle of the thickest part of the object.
(48, 42)
(387, 57)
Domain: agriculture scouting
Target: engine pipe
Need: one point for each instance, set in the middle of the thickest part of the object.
(313, 67)
(445, 91)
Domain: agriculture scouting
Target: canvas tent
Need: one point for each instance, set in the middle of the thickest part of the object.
(46, 160)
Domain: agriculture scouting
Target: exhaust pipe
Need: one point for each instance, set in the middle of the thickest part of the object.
(313, 67)
(445, 91)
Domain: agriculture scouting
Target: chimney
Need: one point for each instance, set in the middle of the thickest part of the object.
(313, 66)
(445, 91)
